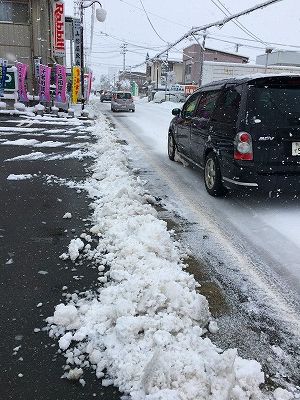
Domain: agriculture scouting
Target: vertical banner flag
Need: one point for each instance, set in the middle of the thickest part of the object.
(22, 72)
(3, 71)
(89, 85)
(59, 28)
(75, 84)
(61, 84)
(44, 83)
(77, 41)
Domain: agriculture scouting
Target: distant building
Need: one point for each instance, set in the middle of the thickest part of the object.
(26, 33)
(157, 70)
(192, 60)
(138, 77)
(284, 58)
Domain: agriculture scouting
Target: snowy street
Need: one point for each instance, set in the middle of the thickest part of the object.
(104, 243)
(249, 242)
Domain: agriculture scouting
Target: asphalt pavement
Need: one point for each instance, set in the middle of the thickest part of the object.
(33, 233)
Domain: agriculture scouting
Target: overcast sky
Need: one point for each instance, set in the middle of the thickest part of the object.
(127, 21)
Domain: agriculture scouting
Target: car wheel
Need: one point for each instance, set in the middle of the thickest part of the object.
(133, 110)
(212, 176)
(113, 110)
(171, 146)
(101, 101)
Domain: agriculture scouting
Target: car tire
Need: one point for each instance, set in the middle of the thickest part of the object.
(101, 101)
(212, 176)
(133, 110)
(171, 146)
(113, 110)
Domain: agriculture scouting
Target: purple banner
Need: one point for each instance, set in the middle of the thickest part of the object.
(3, 71)
(44, 83)
(22, 72)
(61, 84)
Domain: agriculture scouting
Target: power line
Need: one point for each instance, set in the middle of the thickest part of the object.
(253, 40)
(147, 47)
(237, 23)
(156, 15)
(220, 23)
(145, 11)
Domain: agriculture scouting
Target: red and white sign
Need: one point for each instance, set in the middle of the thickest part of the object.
(59, 28)
(189, 89)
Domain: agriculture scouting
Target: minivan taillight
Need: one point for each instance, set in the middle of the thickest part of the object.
(243, 149)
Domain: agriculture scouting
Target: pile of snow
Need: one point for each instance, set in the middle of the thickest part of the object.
(146, 325)
(39, 107)
(19, 177)
(20, 106)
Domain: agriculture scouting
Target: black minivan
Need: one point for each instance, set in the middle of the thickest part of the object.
(243, 132)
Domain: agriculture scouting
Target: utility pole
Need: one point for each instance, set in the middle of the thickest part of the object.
(92, 33)
(100, 15)
(166, 74)
(123, 51)
(268, 51)
(202, 57)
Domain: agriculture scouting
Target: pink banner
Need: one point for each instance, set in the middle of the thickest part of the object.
(22, 72)
(87, 85)
(44, 83)
(90, 77)
(61, 84)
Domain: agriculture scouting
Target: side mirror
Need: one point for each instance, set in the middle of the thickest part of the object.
(176, 111)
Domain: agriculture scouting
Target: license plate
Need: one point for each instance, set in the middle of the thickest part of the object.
(295, 148)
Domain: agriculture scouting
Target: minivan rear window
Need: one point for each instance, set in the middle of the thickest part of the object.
(275, 105)
(124, 96)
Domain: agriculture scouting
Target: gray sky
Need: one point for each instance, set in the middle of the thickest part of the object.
(126, 20)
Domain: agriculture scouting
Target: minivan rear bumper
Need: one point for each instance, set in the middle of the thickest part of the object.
(122, 106)
(265, 182)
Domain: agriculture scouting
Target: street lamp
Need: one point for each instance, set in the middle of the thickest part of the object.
(100, 15)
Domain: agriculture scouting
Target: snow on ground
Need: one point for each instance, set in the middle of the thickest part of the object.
(13, 130)
(49, 120)
(19, 177)
(143, 329)
(51, 157)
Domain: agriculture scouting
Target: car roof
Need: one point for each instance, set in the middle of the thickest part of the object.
(238, 80)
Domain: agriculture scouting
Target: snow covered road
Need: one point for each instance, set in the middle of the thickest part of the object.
(269, 228)
(252, 242)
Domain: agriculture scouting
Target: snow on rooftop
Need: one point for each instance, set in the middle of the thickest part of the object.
(144, 327)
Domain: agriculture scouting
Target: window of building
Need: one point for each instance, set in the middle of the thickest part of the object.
(188, 69)
(14, 11)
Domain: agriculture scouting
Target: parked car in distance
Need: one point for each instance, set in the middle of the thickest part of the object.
(162, 96)
(122, 101)
(105, 96)
(243, 132)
